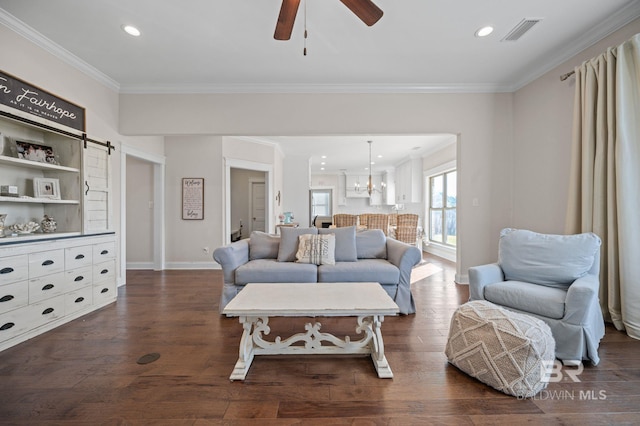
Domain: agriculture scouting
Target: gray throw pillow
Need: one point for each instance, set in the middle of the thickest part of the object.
(263, 245)
(371, 244)
(289, 242)
(345, 242)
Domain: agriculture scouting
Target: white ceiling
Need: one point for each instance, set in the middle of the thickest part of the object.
(195, 46)
(228, 45)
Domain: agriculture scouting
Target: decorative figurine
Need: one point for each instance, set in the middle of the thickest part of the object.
(48, 224)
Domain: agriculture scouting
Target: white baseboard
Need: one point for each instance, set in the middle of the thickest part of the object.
(174, 265)
(462, 279)
(192, 265)
(139, 265)
(441, 251)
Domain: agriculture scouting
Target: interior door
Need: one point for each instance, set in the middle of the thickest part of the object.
(258, 209)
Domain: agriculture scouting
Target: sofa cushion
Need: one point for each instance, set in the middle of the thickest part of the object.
(263, 245)
(316, 249)
(272, 271)
(345, 242)
(371, 244)
(546, 259)
(372, 270)
(289, 242)
(527, 297)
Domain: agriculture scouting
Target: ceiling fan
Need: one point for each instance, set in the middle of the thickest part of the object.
(366, 10)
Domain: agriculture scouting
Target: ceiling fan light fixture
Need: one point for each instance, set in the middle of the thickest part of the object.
(484, 31)
(131, 30)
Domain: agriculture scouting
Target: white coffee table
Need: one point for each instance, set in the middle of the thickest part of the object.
(257, 302)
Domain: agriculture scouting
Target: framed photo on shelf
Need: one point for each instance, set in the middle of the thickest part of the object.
(35, 152)
(46, 188)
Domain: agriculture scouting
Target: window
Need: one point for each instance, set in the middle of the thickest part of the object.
(442, 208)
(320, 203)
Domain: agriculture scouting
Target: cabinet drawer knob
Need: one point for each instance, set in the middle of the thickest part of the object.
(47, 311)
(6, 298)
(104, 252)
(104, 290)
(79, 299)
(80, 256)
(79, 278)
(6, 270)
(48, 287)
(104, 271)
(6, 326)
(48, 262)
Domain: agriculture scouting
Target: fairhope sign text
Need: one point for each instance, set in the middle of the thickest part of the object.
(22, 96)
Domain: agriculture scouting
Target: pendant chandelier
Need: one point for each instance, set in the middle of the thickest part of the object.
(370, 186)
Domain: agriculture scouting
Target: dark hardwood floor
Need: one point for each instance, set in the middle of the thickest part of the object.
(85, 372)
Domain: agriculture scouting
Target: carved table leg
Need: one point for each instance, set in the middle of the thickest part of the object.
(377, 349)
(246, 351)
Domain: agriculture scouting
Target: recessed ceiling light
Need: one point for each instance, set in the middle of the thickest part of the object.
(484, 31)
(321, 168)
(324, 156)
(131, 30)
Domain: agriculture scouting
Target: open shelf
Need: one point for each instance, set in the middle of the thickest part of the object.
(35, 165)
(37, 200)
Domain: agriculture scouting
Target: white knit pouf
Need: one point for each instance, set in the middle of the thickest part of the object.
(511, 352)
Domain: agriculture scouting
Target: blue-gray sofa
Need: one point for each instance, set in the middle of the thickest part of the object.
(365, 256)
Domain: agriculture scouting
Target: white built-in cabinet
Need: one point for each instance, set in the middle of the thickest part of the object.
(408, 182)
(46, 283)
(48, 279)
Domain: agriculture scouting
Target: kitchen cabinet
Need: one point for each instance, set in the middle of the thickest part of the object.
(408, 182)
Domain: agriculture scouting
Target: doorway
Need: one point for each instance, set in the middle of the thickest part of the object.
(320, 205)
(248, 200)
(247, 196)
(155, 206)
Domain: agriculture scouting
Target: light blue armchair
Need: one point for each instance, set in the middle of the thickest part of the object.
(551, 277)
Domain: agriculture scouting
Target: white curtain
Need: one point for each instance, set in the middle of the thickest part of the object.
(604, 197)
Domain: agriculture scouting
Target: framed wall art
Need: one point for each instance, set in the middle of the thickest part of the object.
(46, 188)
(192, 198)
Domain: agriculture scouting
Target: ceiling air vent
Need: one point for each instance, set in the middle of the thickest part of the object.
(519, 30)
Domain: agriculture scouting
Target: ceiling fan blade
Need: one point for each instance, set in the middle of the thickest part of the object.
(366, 10)
(287, 17)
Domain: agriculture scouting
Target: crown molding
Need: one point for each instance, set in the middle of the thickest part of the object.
(56, 50)
(603, 29)
(314, 88)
